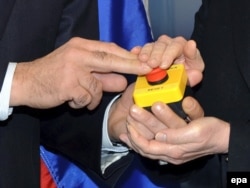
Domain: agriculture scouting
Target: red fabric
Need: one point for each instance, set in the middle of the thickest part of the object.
(46, 180)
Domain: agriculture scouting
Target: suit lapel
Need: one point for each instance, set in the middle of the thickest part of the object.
(5, 11)
(241, 35)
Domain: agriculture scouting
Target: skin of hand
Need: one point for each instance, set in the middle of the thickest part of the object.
(164, 50)
(149, 124)
(118, 114)
(178, 142)
(77, 72)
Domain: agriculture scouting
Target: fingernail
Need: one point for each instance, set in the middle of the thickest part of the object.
(161, 137)
(153, 62)
(164, 66)
(159, 106)
(144, 57)
(135, 110)
(146, 68)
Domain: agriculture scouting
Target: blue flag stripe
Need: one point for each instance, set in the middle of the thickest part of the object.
(124, 22)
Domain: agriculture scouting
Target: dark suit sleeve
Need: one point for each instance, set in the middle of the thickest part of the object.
(5, 11)
(2, 73)
(222, 35)
(239, 155)
(200, 22)
(79, 19)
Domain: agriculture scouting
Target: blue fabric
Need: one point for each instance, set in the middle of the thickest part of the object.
(124, 22)
(68, 175)
(64, 172)
(137, 179)
(138, 175)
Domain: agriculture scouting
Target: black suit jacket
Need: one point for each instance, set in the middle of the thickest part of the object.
(30, 30)
(222, 30)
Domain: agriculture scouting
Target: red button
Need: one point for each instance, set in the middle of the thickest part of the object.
(156, 75)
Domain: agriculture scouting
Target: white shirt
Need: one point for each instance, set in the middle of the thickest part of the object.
(5, 109)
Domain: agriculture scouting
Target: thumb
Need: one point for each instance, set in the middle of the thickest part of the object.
(193, 63)
(192, 108)
(111, 82)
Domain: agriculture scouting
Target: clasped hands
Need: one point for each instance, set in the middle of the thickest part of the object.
(79, 71)
(163, 135)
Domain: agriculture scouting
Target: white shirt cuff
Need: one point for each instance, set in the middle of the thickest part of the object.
(110, 152)
(106, 142)
(5, 109)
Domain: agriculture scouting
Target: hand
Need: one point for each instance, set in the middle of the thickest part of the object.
(166, 51)
(77, 72)
(204, 136)
(148, 124)
(161, 53)
(164, 136)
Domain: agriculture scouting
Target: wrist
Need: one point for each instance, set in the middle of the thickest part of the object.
(112, 121)
(226, 138)
(19, 88)
(116, 122)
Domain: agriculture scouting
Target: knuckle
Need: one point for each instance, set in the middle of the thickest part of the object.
(149, 45)
(163, 38)
(73, 40)
(177, 155)
(94, 86)
(179, 41)
(180, 38)
(83, 99)
(100, 55)
(113, 46)
(71, 49)
(71, 52)
(69, 55)
(196, 132)
(160, 44)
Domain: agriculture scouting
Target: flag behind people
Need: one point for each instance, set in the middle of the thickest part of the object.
(124, 22)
